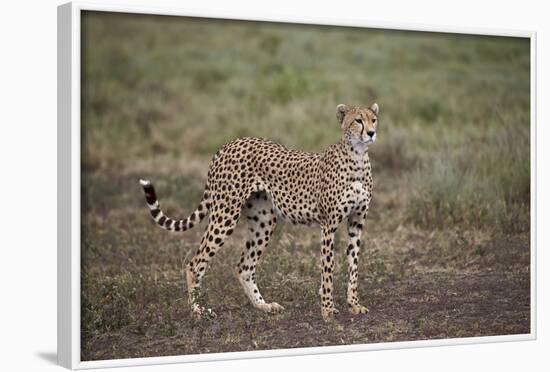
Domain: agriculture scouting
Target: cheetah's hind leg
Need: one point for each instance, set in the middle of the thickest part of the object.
(261, 221)
(220, 226)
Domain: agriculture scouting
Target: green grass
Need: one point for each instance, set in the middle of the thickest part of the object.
(450, 219)
(482, 185)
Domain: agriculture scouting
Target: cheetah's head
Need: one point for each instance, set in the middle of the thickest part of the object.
(358, 123)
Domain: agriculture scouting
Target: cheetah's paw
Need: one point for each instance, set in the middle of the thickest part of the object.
(357, 309)
(272, 307)
(328, 312)
(203, 312)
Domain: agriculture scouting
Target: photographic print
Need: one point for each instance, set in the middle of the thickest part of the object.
(253, 185)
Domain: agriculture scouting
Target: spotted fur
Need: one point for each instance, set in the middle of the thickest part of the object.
(264, 181)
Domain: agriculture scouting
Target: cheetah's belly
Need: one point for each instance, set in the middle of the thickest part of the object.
(293, 206)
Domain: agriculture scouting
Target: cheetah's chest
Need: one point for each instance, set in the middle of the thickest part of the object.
(354, 198)
(359, 187)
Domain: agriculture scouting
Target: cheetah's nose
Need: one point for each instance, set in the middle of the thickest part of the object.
(371, 133)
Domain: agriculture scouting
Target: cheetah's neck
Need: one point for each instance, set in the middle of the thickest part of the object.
(358, 152)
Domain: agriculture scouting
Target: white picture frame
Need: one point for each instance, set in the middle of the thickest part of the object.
(69, 186)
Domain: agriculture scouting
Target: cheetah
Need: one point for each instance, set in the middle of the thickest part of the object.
(264, 181)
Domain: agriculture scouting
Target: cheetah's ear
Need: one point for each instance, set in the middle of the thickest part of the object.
(341, 111)
(375, 108)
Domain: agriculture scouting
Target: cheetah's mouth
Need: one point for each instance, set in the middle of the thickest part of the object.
(362, 140)
(367, 139)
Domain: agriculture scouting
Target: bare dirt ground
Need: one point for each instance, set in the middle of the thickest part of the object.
(417, 284)
(414, 309)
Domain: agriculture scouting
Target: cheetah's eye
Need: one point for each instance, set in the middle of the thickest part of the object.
(374, 120)
(359, 120)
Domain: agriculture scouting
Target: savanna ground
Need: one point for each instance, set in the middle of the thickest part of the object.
(447, 247)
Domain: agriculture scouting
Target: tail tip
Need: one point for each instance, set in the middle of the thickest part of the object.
(144, 183)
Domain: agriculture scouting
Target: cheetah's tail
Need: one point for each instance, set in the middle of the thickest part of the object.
(167, 223)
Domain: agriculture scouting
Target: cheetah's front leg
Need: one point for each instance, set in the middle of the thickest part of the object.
(355, 226)
(327, 266)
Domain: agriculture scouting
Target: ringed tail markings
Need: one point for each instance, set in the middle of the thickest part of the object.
(168, 223)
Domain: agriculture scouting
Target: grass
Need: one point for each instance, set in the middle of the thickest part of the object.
(447, 242)
(488, 187)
